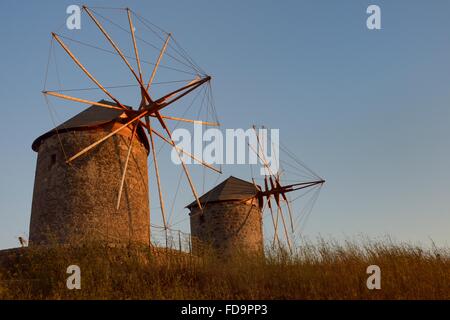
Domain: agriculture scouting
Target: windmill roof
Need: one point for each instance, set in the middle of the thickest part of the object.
(92, 117)
(230, 189)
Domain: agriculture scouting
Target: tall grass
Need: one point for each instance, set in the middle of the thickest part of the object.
(320, 270)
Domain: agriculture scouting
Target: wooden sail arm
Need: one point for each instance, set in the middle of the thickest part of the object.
(272, 185)
(114, 45)
(204, 123)
(288, 204)
(274, 222)
(302, 185)
(154, 108)
(185, 169)
(195, 84)
(166, 97)
(133, 38)
(276, 238)
(160, 135)
(266, 185)
(132, 120)
(161, 121)
(158, 61)
(307, 186)
(283, 195)
(79, 64)
(280, 213)
(124, 173)
(158, 179)
(66, 97)
(275, 191)
(292, 187)
(129, 109)
(262, 158)
(283, 221)
(279, 210)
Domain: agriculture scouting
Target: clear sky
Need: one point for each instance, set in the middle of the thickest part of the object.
(368, 110)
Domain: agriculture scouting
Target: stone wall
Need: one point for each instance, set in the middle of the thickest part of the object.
(77, 202)
(229, 227)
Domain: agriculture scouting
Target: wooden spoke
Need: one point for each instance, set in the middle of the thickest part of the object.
(136, 52)
(173, 94)
(63, 45)
(270, 194)
(299, 186)
(205, 123)
(261, 156)
(113, 44)
(158, 180)
(286, 234)
(276, 190)
(185, 169)
(288, 188)
(288, 204)
(122, 181)
(276, 195)
(150, 81)
(181, 150)
(275, 227)
(194, 83)
(140, 115)
(66, 97)
(159, 104)
(162, 102)
(296, 186)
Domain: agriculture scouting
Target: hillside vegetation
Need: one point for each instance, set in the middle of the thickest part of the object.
(323, 270)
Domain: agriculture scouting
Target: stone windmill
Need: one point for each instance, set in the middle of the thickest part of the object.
(91, 180)
(231, 217)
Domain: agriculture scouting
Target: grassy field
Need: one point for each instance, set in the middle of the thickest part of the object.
(323, 270)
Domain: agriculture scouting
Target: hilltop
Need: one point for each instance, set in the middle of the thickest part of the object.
(325, 270)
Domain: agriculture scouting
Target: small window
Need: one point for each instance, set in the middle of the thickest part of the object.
(52, 160)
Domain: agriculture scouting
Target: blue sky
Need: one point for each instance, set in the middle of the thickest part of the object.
(368, 110)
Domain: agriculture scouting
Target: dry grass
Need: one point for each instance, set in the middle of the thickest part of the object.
(324, 270)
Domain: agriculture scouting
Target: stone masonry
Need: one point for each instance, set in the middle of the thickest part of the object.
(77, 202)
(228, 227)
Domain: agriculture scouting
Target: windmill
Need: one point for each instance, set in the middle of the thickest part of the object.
(274, 188)
(140, 117)
(232, 218)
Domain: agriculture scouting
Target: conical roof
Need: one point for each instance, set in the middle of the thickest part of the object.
(92, 117)
(230, 189)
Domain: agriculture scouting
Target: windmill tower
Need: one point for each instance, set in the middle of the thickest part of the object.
(91, 180)
(230, 220)
(77, 203)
